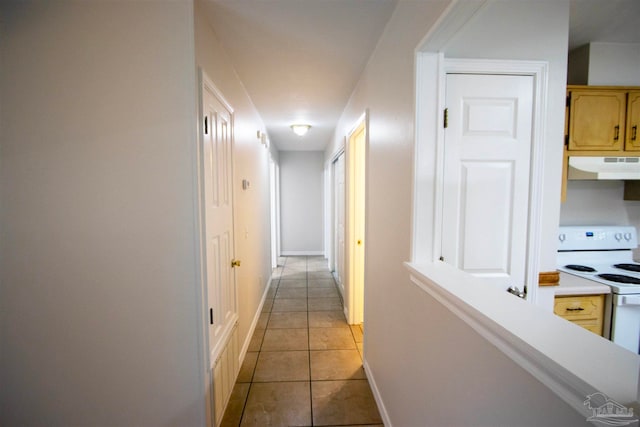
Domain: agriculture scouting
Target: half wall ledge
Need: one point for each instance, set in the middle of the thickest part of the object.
(520, 330)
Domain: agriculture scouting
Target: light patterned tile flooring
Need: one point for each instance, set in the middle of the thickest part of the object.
(304, 363)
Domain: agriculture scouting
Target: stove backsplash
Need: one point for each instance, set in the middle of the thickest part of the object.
(599, 203)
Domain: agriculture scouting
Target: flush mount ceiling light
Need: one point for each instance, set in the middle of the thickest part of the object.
(300, 129)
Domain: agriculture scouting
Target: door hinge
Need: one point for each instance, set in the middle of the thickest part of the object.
(206, 126)
(446, 118)
(211, 316)
(568, 104)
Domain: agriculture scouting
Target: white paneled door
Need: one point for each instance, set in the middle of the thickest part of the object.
(486, 176)
(356, 188)
(217, 173)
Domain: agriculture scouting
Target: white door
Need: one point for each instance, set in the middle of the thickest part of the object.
(339, 224)
(356, 164)
(218, 214)
(486, 176)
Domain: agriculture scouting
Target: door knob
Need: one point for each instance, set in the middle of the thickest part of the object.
(235, 263)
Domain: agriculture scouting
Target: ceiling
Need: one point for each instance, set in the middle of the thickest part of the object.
(301, 59)
(614, 21)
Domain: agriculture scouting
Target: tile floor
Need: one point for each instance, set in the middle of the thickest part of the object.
(304, 363)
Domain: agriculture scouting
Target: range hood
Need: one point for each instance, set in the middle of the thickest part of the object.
(611, 168)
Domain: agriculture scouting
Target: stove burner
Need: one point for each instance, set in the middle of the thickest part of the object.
(629, 267)
(620, 278)
(583, 268)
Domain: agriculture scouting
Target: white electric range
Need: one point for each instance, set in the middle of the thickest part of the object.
(604, 254)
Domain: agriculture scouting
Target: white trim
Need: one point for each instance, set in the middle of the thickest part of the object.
(386, 420)
(363, 118)
(254, 323)
(337, 154)
(330, 251)
(302, 253)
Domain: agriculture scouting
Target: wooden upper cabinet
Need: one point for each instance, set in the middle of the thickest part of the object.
(597, 120)
(632, 140)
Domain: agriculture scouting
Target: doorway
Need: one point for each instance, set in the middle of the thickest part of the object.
(355, 172)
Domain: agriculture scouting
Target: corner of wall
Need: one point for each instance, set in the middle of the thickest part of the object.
(578, 66)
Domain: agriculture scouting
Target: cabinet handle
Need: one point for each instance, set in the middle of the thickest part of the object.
(634, 129)
(617, 134)
(575, 308)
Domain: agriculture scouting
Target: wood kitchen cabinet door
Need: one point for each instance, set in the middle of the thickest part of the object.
(632, 142)
(586, 311)
(597, 120)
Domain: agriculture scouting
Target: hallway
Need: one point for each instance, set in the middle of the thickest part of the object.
(304, 363)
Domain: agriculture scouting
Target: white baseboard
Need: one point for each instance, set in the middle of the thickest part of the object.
(376, 394)
(302, 253)
(254, 323)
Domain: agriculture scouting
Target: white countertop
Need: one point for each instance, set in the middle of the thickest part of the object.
(575, 285)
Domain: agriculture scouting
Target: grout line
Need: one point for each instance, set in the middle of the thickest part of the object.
(309, 345)
(253, 372)
(260, 350)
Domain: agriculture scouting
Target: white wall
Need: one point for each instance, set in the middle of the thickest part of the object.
(98, 305)
(614, 64)
(301, 202)
(251, 162)
(429, 367)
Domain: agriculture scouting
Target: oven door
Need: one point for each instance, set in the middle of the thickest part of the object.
(625, 322)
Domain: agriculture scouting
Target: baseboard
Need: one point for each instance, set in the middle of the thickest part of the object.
(254, 323)
(376, 394)
(302, 253)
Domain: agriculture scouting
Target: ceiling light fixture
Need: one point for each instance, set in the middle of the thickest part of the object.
(300, 129)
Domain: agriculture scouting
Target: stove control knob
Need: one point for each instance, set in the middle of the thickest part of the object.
(627, 236)
(562, 237)
(618, 236)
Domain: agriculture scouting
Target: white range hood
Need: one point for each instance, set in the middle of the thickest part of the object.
(610, 168)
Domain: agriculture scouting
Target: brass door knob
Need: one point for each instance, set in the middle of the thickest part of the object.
(235, 263)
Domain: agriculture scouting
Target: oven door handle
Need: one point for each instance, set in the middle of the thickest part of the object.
(628, 300)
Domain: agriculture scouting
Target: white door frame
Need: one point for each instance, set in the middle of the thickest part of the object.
(433, 67)
(333, 221)
(274, 199)
(354, 253)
